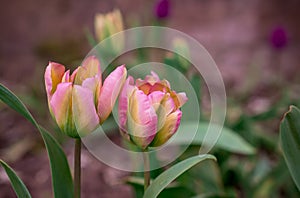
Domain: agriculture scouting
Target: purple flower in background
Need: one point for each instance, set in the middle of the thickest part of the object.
(278, 37)
(162, 8)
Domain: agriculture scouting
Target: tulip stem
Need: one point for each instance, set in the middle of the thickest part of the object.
(77, 168)
(146, 169)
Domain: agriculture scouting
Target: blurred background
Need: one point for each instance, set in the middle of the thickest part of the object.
(255, 44)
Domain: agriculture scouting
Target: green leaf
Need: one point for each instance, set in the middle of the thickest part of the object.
(61, 176)
(91, 40)
(290, 142)
(164, 179)
(19, 187)
(196, 83)
(14, 102)
(228, 140)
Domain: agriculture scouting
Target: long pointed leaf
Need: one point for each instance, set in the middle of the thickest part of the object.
(164, 179)
(17, 184)
(228, 140)
(290, 142)
(61, 175)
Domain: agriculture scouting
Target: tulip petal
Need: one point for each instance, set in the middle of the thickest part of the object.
(84, 112)
(179, 98)
(167, 131)
(158, 87)
(182, 98)
(141, 119)
(99, 26)
(74, 73)
(60, 107)
(153, 78)
(66, 77)
(90, 68)
(93, 85)
(123, 102)
(144, 86)
(166, 106)
(156, 98)
(53, 75)
(110, 91)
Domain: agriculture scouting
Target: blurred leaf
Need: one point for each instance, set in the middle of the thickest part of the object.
(172, 173)
(18, 149)
(228, 140)
(196, 83)
(174, 62)
(207, 181)
(212, 195)
(13, 102)
(91, 40)
(139, 181)
(176, 192)
(17, 184)
(61, 176)
(290, 142)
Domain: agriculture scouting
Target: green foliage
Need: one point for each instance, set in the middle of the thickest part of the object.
(164, 179)
(61, 175)
(228, 140)
(17, 184)
(290, 142)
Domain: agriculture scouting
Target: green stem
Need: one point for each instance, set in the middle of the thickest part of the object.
(77, 168)
(146, 169)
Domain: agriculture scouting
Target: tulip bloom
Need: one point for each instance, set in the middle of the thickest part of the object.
(149, 111)
(278, 38)
(79, 102)
(108, 24)
(162, 9)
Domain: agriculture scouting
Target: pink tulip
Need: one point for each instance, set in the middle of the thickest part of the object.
(149, 111)
(79, 102)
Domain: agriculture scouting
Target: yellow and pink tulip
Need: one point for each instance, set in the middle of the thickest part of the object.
(149, 111)
(107, 25)
(79, 102)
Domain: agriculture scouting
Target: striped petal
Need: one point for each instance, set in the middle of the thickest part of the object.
(110, 91)
(90, 68)
(60, 107)
(179, 98)
(66, 77)
(156, 98)
(84, 112)
(99, 26)
(93, 85)
(123, 102)
(182, 98)
(53, 75)
(166, 106)
(142, 119)
(169, 128)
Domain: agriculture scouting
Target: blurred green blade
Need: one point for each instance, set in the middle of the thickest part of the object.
(228, 140)
(164, 179)
(290, 142)
(61, 176)
(17, 184)
(15, 103)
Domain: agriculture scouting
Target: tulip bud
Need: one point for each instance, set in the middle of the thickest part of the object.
(108, 24)
(79, 102)
(149, 111)
(278, 38)
(162, 8)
